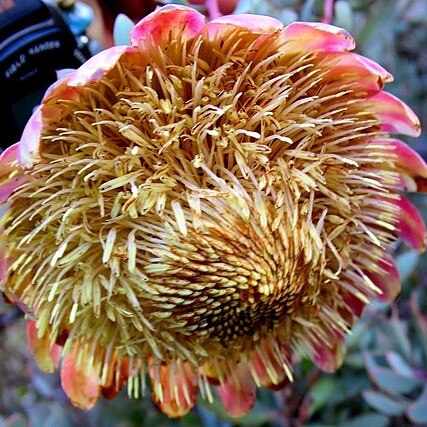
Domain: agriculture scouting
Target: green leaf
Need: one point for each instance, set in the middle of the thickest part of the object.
(57, 417)
(399, 365)
(258, 416)
(420, 321)
(383, 403)
(401, 336)
(349, 386)
(388, 380)
(377, 420)
(358, 332)
(406, 264)
(15, 420)
(376, 24)
(321, 392)
(417, 411)
(191, 420)
(397, 338)
(354, 360)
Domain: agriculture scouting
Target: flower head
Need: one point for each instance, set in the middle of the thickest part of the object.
(205, 205)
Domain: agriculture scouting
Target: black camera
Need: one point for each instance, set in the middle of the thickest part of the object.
(35, 42)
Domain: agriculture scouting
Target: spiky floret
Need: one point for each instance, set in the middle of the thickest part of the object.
(214, 205)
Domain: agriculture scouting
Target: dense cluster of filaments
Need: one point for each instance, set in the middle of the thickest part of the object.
(199, 199)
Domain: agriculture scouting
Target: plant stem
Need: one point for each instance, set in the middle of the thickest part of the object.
(213, 9)
(328, 11)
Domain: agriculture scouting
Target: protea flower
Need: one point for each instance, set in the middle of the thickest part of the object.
(205, 206)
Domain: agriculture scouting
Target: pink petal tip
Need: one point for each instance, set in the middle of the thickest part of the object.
(329, 357)
(257, 24)
(29, 145)
(97, 66)
(387, 280)
(407, 158)
(395, 116)
(368, 75)
(8, 159)
(315, 36)
(167, 22)
(411, 226)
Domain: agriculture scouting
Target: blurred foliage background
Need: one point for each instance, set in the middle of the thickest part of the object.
(383, 382)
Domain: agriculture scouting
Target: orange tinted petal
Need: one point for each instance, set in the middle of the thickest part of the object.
(211, 373)
(238, 394)
(329, 356)
(46, 355)
(60, 89)
(269, 368)
(116, 382)
(174, 388)
(82, 389)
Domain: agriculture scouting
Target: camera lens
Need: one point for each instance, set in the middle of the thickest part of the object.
(35, 42)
